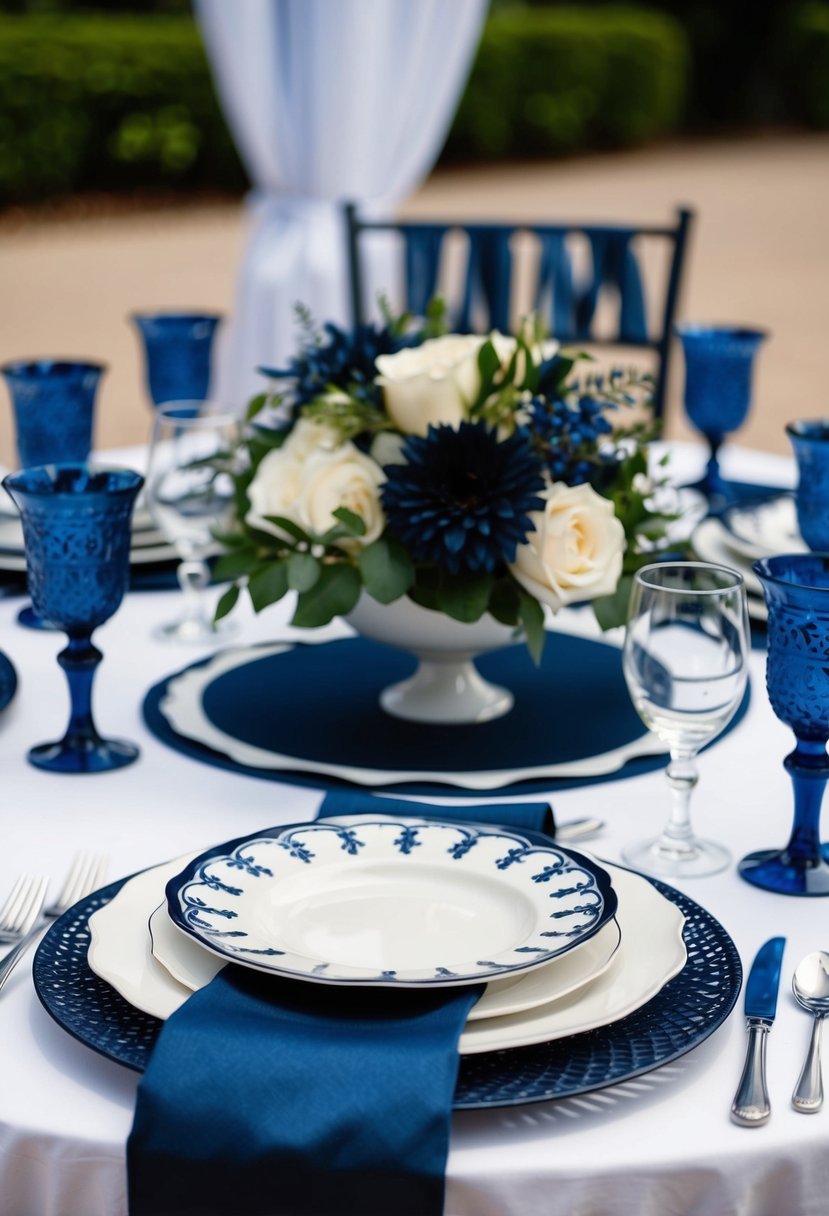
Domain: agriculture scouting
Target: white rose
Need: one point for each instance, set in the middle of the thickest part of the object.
(309, 436)
(387, 448)
(306, 484)
(342, 478)
(274, 490)
(575, 552)
(431, 383)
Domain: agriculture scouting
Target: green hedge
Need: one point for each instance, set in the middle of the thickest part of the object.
(552, 81)
(807, 54)
(101, 102)
(108, 103)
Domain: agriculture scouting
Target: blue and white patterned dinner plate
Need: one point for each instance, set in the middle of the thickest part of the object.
(390, 902)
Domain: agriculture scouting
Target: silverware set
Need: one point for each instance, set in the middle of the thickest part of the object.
(810, 985)
(25, 916)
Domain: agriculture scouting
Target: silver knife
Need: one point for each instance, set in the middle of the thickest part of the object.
(750, 1107)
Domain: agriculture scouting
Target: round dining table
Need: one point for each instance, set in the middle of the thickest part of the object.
(662, 1144)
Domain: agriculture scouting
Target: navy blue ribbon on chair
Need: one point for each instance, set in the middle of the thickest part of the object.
(272, 1097)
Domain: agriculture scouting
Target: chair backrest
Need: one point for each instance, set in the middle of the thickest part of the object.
(586, 279)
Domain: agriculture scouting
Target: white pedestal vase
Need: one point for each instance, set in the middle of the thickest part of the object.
(446, 687)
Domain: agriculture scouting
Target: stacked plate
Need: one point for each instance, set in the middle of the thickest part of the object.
(745, 532)
(562, 944)
(149, 546)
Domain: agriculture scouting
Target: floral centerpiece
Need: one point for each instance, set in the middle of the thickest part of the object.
(473, 474)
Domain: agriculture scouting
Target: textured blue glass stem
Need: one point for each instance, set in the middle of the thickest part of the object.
(808, 767)
(80, 660)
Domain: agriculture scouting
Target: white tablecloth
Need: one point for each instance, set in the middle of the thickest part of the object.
(662, 1145)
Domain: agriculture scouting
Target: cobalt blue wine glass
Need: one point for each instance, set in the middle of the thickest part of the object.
(53, 401)
(796, 587)
(810, 440)
(77, 530)
(178, 350)
(719, 364)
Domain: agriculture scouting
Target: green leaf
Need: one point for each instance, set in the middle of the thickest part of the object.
(532, 618)
(303, 571)
(488, 362)
(231, 566)
(424, 590)
(268, 584)
(386, 570)
(256, 405)
(465, 597)
(335, 593)
(352, 521)
(226, 602)
(288, 525)
(611, 610)
(504, 602)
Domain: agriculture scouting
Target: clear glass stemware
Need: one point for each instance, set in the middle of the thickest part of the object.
(189, 495)
(685, 662)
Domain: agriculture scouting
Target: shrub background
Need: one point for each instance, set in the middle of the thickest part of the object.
(110, 101)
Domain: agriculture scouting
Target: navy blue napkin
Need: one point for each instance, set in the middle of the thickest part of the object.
(269, 1097)
(535, 816)
(272, 1097)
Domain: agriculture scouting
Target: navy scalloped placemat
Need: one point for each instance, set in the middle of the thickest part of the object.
(319, 702)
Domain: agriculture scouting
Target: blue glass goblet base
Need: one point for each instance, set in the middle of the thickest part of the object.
(802, 867)
(777, 870)
(83, 755)
(82, 750)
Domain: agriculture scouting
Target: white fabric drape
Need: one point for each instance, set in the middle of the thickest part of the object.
(327, 100)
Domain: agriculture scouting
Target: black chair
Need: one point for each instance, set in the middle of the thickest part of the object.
(571, 294)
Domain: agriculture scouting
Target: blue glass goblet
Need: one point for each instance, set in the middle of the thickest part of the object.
(77, 529)
(719, 362)
(178, 349)
(796, 588)
(54, 403)
(810, 440)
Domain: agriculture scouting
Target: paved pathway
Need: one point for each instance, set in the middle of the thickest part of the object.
(760, 256)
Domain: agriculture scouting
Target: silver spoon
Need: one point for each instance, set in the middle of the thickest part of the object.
(810, 986)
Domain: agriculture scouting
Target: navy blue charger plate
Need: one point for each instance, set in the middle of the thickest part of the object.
(319, 703)
(8, 680)
(687, 1010)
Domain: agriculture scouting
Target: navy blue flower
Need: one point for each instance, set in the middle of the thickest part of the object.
(463, 498)
(343, 360)
(569, 437)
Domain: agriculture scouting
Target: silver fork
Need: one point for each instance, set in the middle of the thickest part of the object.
(22, 908)
(86, 873)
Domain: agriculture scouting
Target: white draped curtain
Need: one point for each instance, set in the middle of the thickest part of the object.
(328, 101)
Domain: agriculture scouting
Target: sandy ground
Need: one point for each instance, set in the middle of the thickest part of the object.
(760, 257)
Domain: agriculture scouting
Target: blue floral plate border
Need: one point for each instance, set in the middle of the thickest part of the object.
(685, 1013)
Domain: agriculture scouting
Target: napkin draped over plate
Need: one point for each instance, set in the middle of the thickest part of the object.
(273, 1097)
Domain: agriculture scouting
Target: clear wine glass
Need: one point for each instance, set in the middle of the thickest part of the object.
(685, 661)
(189, 494)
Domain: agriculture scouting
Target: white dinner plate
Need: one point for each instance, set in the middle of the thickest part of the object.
(710, 545)
(763, 528)
(182, 708)
(391, 902)
(193, 967)
(651, 952)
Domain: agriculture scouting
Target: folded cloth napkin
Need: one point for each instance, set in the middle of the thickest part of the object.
(273, 1097)
(535, 816)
